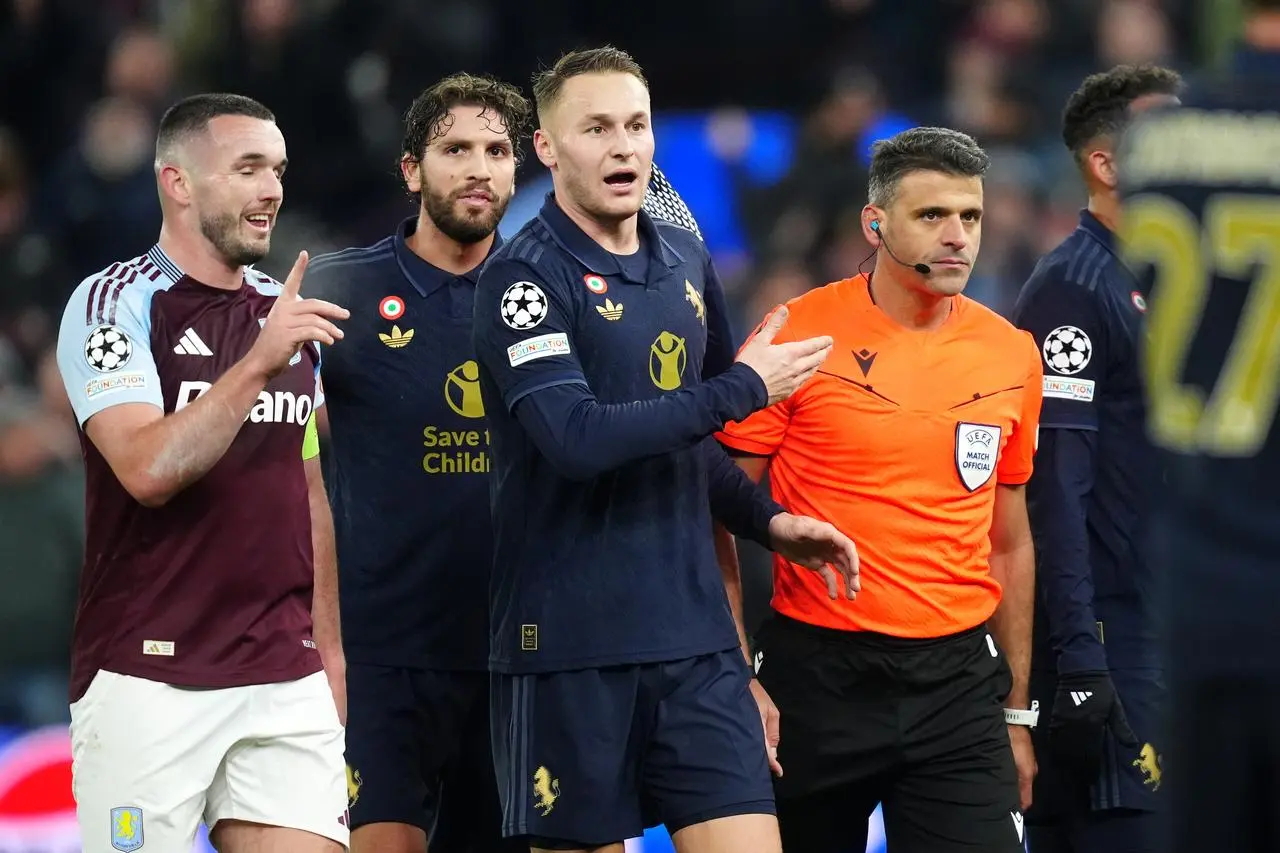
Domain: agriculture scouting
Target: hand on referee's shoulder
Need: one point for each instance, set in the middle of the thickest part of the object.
(784, 367)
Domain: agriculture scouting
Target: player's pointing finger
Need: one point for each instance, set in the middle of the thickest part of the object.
(293, 284)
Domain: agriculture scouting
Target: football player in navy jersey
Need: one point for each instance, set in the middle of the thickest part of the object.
(620, 695)
(1201, 226)
(408, 482)
(1096, 672)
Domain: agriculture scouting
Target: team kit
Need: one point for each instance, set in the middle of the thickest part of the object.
(495, 604)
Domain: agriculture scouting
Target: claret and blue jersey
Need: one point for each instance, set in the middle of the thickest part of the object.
(408, 458)
(604, 551)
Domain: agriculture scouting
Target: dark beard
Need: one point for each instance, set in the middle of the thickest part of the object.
(221, 230)
(462, 229)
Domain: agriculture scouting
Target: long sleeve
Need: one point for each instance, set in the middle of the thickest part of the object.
(1056, 504)
(584, 438)
(740, 505)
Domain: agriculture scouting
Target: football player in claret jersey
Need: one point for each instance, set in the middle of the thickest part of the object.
(1089, 501)
(1201, 226)
(208, 604)
(620, 695)
(407, 480)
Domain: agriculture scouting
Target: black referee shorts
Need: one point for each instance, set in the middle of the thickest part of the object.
(916, 725)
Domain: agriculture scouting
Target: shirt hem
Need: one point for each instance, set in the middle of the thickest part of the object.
(214, 679)
(899, 631)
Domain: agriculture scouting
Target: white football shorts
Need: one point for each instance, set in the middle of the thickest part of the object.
(150, 761)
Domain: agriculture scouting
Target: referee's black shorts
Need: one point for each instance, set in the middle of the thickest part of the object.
(916, 725)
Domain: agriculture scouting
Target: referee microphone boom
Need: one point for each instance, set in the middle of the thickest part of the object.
(922, 268)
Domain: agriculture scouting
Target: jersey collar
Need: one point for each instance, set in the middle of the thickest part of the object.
(1094, 227)
(593, 256)
(161, 259)
(425, 278)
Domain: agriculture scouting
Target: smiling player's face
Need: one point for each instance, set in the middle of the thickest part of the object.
(467, 174)
(601, 144)
(236, 186)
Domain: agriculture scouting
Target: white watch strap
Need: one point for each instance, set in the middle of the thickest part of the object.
(1019, 717)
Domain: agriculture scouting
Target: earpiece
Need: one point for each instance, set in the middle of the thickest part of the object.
(875, 225)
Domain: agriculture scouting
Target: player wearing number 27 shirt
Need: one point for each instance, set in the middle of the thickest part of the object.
(1201, 225)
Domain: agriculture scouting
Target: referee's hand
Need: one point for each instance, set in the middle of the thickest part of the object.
(783, 367)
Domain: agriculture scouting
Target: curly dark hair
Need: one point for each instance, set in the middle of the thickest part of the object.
(921, 149)
(1100, 107)
(427, 116)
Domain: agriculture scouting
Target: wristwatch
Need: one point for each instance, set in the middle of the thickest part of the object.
(1019, 717)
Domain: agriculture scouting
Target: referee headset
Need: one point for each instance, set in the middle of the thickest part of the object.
(922, 268)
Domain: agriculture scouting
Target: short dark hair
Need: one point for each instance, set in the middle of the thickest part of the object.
(426, 117)
(1100, 107)
(922, 149)
(548, 83)
(192, 115)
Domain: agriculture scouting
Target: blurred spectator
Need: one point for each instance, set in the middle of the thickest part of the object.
(34, 277)
(42, 528)
(101, 199)
(140, 69)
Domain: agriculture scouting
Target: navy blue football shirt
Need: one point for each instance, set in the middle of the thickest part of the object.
(1202, 225)
(604, 378)
(408, 460)
(1090, 496)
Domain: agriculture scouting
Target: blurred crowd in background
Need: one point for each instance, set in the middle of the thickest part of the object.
(84, 82)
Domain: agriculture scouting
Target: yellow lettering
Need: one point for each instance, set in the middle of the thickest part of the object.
(456, 462)
(1198, 146)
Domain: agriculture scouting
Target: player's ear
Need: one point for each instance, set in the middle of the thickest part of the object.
(544, 148)
(411, 169)
(1102, 165)
(175, 183)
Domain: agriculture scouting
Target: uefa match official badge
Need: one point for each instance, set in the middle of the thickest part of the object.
(977, 448)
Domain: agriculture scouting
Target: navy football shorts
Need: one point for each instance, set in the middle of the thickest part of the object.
(592, 757)
(418, 753)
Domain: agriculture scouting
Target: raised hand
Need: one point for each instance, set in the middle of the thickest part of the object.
(294, 321)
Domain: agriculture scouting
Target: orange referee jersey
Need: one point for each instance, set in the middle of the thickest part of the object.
(899, 441)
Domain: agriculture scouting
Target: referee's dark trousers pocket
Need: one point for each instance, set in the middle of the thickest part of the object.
(995, 667)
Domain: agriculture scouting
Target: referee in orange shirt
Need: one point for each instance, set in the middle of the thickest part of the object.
(916, 438)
